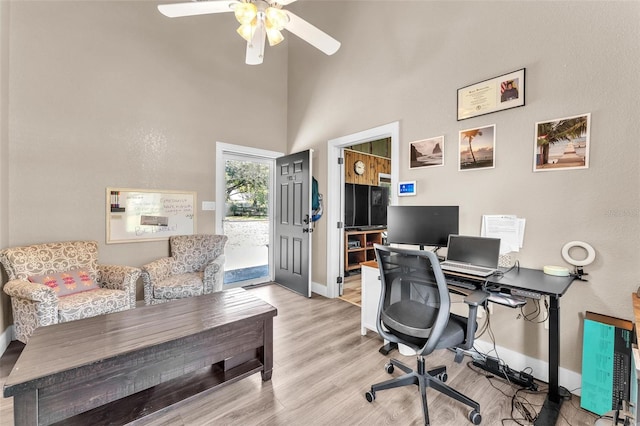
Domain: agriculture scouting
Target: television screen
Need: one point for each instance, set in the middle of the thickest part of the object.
(421, 225)
(365, 206)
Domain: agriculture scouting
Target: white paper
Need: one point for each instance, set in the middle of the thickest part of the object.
(509, 228)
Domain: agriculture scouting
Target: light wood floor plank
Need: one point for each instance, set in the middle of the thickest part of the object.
(322, 368)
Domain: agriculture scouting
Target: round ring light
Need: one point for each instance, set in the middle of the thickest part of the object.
(591, 253)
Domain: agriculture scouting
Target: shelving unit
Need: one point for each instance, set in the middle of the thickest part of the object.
(361, 247)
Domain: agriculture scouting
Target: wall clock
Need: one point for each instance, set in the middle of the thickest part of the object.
(359, 167)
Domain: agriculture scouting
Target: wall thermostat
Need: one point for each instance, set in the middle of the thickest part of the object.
(407, 188)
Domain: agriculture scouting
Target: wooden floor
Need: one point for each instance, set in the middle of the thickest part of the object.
(322, 368)
(351, 289)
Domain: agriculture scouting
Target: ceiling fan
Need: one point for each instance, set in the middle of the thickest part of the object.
(259, 20)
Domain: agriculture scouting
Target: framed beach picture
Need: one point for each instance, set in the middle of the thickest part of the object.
(477, 148)
(427, 153)
(562, 143)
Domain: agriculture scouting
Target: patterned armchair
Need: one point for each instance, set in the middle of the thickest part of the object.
(195, 267)
(59, 282)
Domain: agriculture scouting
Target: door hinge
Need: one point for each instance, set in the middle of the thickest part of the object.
(339, 280)
(340, 225)
(340, 160)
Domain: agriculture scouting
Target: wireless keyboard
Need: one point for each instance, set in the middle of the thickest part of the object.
(461, 283)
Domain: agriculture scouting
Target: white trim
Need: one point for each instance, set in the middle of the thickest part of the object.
(5, 339)
(334, 199)
(318, 289)
(571, 380)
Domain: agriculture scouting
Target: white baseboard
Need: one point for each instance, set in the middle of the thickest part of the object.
(571, 380)
(319, 289)
(5, 338)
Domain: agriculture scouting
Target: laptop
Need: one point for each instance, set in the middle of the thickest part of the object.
(477, 256)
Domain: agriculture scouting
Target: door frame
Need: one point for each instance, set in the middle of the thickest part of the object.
(335, 195)
(245, 151)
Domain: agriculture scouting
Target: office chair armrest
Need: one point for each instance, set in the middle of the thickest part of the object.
(476, 298)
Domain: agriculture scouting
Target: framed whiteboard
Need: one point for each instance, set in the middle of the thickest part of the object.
(135, 215)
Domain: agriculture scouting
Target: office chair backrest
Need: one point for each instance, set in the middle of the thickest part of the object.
(414, 300)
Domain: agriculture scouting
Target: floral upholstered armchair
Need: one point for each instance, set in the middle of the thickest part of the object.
(195, 267)
(59, 282)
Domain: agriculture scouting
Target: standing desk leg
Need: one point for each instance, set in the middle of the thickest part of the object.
(551, 408)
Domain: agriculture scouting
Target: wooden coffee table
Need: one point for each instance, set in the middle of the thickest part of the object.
(70, 368)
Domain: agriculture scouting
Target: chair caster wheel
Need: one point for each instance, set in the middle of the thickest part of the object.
(389, 368)
(475, 417)
(370, 395)
(442, 377)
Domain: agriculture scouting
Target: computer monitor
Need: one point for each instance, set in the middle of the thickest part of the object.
(422, 225)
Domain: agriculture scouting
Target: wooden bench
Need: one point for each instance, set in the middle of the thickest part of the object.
(73, 367)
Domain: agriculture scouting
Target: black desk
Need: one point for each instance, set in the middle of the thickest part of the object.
(536, 281)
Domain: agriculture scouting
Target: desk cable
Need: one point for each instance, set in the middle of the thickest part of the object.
(500, 274)
(536, 313)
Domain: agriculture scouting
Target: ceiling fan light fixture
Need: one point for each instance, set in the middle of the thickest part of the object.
(274, 35)
(247, 30)
(277, 18)
(245, 12)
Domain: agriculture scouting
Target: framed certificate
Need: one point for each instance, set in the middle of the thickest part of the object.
(496, 94)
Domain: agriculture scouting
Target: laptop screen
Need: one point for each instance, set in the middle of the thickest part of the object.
(480, 251)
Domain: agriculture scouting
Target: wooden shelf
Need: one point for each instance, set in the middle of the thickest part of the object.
(362, 251)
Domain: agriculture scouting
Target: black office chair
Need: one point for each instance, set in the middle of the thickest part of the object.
(414, 310)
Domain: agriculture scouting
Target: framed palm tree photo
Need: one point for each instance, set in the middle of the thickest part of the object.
(562, 143)
(477, 148)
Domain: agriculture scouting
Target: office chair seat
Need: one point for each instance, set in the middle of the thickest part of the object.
(411, 320)
(414, 310)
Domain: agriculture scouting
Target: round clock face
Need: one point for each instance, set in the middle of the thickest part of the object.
(359, 167)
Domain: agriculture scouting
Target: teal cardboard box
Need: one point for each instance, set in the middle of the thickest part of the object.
(606, 362)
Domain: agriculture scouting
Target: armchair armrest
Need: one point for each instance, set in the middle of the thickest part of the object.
(34, 305)
(155, 272)
(118, 277)
(214, 275)
(33, 292)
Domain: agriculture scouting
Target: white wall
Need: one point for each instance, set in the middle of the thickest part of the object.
(405, 61)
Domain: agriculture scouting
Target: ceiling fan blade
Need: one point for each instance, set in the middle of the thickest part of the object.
(312, 34)
(176, 10)
(255, 48)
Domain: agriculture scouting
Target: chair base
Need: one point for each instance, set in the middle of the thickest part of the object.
(434, 378)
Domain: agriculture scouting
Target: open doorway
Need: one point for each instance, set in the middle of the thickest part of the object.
(367, 195)
(336, 196)
(244, 184)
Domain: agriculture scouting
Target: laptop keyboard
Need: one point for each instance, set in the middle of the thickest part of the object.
(467, 268)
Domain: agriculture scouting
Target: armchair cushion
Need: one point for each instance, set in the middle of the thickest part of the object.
(68, 282)
(90, 303)
(179, 286)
